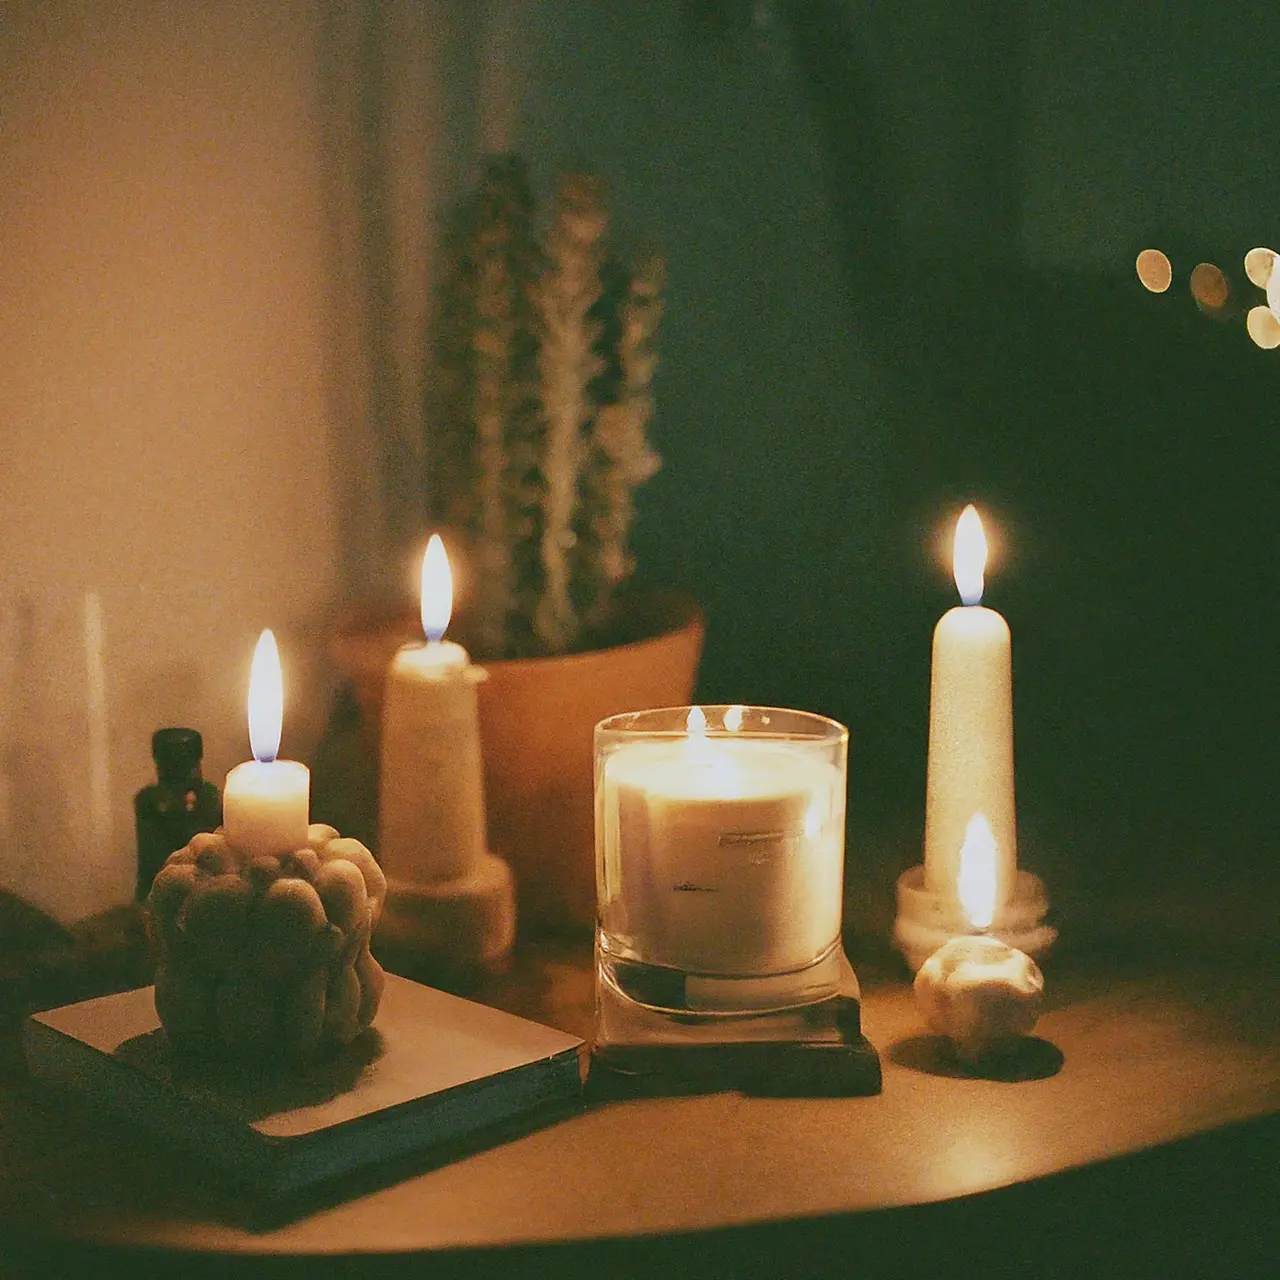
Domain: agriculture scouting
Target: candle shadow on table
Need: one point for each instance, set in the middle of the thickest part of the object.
(1029, 1058)
(252, 1092)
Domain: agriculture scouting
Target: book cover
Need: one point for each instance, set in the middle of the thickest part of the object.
(434, 1068)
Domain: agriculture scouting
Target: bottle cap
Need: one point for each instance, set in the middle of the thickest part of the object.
(176, 750)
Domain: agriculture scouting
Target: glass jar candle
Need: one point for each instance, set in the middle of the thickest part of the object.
(720, 857)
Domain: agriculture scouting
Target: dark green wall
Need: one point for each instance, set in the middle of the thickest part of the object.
(900, 280)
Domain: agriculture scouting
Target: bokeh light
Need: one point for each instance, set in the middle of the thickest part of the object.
(1155, 270)
(1210, 288)
(1264, 327)
(1258, 264)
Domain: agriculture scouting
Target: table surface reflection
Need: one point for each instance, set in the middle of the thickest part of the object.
(1132, 1054)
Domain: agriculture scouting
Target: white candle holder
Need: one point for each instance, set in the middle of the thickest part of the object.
(928, 919)
(452, 931)
(719, 878)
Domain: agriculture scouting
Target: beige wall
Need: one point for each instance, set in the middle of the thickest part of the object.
(165, 439)
(217, 222)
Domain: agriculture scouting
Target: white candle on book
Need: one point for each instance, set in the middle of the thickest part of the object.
(266, 802)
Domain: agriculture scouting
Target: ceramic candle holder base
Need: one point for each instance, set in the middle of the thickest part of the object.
(816, 1050)
(926, 920)
(450, 929)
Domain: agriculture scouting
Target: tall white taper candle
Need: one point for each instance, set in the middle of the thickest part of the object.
(970, 727)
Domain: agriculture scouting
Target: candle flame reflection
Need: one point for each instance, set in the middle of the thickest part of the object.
(437, 590)
(733, 718)
(813, 817)
(266, 699)
(700, 750)
(970, 556)
(976, 883)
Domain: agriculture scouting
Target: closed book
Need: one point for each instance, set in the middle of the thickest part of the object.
(434, 1069)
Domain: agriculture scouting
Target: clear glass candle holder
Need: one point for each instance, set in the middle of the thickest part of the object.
(720, 859)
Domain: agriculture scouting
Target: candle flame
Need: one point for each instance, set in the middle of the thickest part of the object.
(266, 699)
(970, 557)
(976, 884)
(733, 718)
(695, 723)
(437, 590)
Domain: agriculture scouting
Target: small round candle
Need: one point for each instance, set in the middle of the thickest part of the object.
(266, 802)
(980, 993)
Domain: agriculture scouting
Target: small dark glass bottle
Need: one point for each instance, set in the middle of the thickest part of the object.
(178, 805)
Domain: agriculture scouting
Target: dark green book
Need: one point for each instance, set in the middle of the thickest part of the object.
(434, 1069)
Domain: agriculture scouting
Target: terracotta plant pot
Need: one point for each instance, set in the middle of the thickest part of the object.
(537, 716)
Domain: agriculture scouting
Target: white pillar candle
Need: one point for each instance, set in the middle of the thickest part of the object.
(970, 727)
(431, 824)
(722, 856)
(266, 802)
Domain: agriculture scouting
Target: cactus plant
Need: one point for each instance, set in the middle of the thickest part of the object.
(537, 435)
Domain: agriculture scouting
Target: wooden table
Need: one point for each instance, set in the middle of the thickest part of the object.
(1145, 1126)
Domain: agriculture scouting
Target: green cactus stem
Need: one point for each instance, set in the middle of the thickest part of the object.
(537, 425)
(569, 288)
(620, 456)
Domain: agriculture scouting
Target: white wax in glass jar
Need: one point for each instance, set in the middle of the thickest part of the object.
(721, 856)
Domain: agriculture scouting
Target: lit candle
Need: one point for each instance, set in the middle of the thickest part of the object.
(431, 824)
(266, 802)
(723, 855)
(970, 727)
(976, 990)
